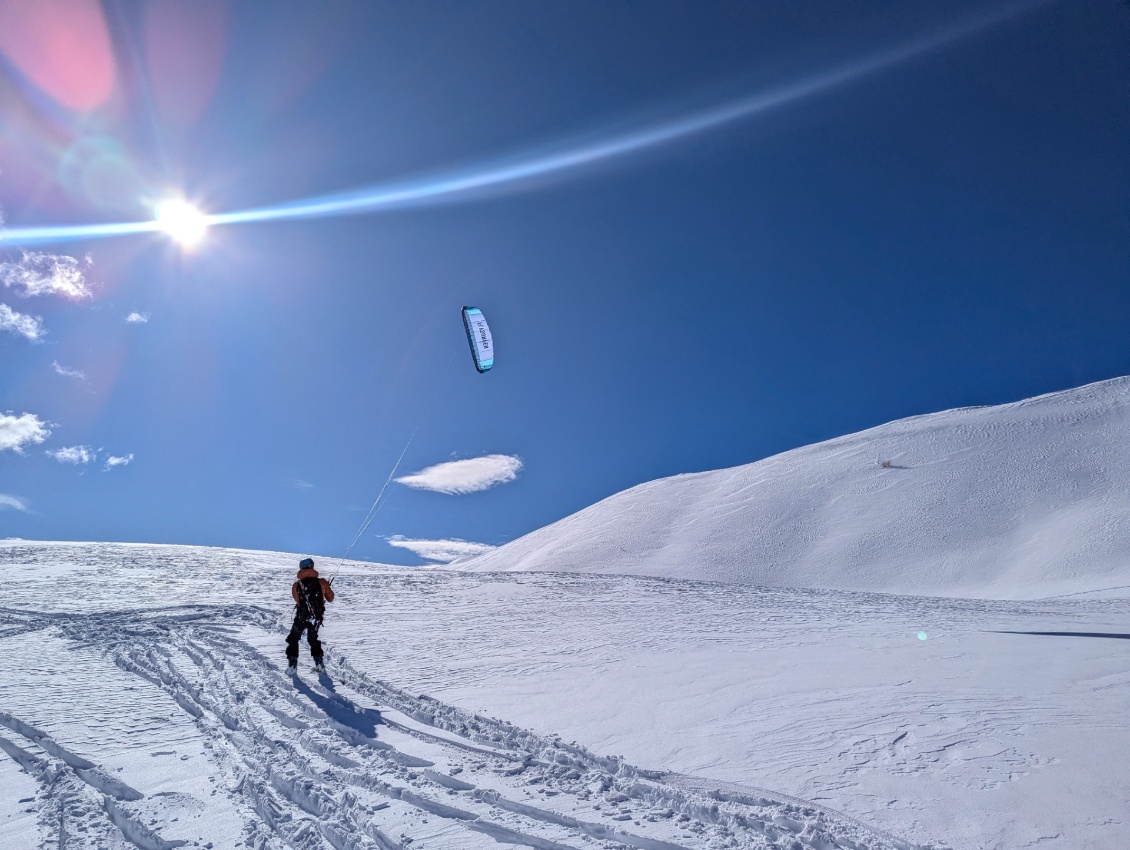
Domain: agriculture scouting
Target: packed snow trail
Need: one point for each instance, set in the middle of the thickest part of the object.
(352, 763)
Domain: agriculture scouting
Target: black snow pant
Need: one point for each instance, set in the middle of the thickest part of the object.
(302, 624)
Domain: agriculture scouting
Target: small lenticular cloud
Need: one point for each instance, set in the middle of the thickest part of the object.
(29, 327)
(112, 462)
(136, 318)
(443, 551)
(459, 477)
(74, 454)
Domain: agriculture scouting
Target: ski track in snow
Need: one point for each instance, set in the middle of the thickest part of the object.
(352, 762)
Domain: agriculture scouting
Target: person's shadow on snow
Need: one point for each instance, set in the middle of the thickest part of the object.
(340, 709)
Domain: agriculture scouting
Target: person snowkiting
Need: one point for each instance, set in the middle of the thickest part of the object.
(311, 593)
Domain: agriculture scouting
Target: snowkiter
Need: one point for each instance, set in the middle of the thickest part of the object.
(311, 594)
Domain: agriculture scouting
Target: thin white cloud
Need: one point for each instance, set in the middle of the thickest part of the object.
(136, 318)
(112, 462)
(26, 326)
(39, 273)
(299, 484)
(74, 454)
(459, 477)
(67, 373)
(444, 551)
(12, 503)
(19, 431)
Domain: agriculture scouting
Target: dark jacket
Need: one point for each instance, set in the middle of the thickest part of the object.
(327, 591)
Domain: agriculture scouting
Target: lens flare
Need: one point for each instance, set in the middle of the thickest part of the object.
(182, 221)
(187, 225)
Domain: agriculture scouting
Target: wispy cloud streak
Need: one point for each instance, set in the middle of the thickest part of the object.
(459, 477)
(113, 462)
(67, 373)
(38, 273)
(443, 551)
(12, 503)
(29, 327)
(484, 178)
(78, 455)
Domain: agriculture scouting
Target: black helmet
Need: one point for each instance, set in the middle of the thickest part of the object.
(306, 564)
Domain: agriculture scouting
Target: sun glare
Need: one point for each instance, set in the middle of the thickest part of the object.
(182, 221)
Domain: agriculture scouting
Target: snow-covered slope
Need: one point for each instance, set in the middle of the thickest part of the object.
(1017, 501)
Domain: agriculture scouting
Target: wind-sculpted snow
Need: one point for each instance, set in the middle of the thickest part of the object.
(1015, 502)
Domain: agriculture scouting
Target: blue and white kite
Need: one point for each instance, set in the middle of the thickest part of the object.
(478, 337)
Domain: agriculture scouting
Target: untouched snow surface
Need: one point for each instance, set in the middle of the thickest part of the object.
(143, 704)
(1019, 501)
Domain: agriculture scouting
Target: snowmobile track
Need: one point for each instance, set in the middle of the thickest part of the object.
(353, 763)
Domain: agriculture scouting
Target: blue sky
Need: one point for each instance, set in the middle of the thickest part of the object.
(909, 207)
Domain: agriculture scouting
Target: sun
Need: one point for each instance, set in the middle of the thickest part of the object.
(182, 221)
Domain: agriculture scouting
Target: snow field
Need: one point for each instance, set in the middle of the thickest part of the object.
(163, 668)
(310, 763)
(974, 737)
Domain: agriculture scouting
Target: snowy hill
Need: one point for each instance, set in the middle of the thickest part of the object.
(1021, 500)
